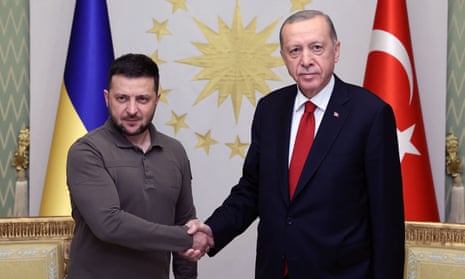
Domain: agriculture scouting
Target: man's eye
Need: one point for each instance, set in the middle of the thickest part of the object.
(143, 99)
(317, 49)
(294, 52)
(121, 98)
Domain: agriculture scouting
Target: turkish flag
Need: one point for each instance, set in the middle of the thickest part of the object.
(390, 74)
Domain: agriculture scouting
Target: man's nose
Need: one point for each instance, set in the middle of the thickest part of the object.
(131, 107)
(307, 58)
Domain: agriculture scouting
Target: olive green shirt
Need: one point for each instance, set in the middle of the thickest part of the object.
(130, 207)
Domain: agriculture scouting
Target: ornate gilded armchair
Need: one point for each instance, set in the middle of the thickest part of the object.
(35, 247)
(434, 250)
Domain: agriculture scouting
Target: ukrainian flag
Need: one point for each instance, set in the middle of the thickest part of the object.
(82, 106)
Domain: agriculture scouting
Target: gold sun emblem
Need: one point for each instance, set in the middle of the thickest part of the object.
(236, 61)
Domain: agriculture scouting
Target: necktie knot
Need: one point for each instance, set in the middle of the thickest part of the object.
(309, 107)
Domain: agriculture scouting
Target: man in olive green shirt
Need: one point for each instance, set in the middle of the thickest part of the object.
(130, 187)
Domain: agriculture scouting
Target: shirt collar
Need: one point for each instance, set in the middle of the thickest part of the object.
(321, 99)
(122, 141)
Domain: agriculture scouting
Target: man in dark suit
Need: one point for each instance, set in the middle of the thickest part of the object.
(345, 219)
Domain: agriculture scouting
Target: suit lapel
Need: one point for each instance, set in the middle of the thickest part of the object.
(285, 131)
(333, 119)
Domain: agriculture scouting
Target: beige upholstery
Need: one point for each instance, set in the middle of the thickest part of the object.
(35, 247)
(434, 250)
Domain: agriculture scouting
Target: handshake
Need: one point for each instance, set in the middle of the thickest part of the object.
(202, 240)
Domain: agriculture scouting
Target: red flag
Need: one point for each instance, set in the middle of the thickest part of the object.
(390, 73)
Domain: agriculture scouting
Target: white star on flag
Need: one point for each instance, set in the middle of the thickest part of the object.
(405, 142)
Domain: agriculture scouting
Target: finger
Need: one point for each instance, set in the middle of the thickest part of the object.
(211, 242)
(193, 226)
(191, 254)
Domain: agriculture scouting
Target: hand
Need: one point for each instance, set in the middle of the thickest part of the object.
(200, 246)
(202, 240)
(196, 225)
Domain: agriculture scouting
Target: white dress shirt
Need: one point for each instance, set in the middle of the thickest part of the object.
(321, 100)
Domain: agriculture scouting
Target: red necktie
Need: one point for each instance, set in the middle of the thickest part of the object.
(302, 145)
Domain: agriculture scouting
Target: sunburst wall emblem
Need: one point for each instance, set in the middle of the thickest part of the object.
(236, 61)
(232, 61)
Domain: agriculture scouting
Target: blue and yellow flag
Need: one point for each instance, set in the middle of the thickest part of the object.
(82, 106)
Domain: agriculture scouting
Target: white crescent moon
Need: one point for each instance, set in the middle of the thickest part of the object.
(388, 43)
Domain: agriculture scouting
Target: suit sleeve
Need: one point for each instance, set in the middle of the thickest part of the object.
(384, 180)
(240, 208)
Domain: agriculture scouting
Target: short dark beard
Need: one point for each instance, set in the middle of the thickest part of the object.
(123, 130)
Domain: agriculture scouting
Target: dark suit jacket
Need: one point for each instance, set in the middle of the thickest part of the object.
(346, 219)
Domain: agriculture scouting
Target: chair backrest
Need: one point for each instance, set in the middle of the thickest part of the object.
(35, 247)
(434, 250)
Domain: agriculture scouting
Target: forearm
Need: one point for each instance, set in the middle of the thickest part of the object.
(183, 268)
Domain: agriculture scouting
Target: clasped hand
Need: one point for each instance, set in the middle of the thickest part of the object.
(202, 240)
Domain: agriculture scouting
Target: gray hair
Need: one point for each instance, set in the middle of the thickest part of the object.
(305, 15)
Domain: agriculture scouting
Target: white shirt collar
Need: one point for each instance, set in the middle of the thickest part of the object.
(321, 99)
